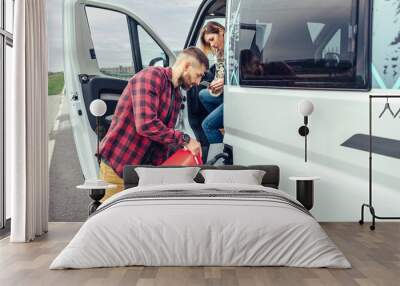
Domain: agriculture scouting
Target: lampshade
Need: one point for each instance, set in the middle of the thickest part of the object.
(98, 107)
(306, 107)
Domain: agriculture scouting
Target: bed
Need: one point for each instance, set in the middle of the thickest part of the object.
(198, 224)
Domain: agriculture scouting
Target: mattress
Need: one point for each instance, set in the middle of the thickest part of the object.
(201, 225)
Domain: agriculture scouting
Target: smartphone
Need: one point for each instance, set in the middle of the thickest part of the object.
(205, 83)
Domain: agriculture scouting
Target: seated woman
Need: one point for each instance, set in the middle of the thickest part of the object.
(212, 41)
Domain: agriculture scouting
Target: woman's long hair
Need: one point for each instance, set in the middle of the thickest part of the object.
(210, 28)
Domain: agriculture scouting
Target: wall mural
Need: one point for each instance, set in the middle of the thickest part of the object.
(267, 45)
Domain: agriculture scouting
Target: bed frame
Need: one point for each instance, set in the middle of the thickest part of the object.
(270, 179)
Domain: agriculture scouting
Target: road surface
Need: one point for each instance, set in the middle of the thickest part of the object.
(67, 203)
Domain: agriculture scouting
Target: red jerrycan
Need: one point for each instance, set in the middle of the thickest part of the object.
(183, 157)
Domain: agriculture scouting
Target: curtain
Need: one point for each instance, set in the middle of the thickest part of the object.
(26, 130)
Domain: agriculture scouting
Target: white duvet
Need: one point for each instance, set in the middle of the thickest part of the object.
(200, 231)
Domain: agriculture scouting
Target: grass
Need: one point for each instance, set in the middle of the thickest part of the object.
(56, 83)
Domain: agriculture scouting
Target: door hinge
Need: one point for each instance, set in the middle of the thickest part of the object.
(75, 96)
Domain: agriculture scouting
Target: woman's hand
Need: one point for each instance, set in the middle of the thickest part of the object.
(217, 85)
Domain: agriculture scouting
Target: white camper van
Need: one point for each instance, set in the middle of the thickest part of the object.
(333, 53)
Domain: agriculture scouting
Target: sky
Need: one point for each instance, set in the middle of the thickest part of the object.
(54, 21)
(170, 19)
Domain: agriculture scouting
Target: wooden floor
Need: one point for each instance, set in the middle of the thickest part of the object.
(375, 257)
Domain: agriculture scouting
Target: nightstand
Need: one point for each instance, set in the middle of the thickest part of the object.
(97, 190)
(305, 190)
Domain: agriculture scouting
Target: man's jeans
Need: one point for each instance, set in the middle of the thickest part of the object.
(214, 120)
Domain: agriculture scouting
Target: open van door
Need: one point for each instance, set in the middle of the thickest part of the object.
(195, 113)
(104, 46)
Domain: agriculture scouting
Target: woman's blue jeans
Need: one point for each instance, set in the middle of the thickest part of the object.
(214, 120)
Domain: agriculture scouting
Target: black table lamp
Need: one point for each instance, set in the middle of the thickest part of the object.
(305, 108)
(98, 108)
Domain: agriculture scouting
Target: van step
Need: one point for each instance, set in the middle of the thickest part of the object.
(380, 145)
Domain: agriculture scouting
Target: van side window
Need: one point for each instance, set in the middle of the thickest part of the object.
(309, 43)
(151, 53)
(112, 46)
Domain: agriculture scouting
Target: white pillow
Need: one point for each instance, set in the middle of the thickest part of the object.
(165, 176)
(248, 177)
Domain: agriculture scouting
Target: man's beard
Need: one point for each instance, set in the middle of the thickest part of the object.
(183, 83)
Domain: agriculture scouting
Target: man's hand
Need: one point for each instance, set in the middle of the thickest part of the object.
(193, 146)
(217, 85)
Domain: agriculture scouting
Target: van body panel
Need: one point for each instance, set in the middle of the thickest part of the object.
(261, 123)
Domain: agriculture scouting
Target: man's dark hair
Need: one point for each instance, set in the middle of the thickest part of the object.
(198, 55)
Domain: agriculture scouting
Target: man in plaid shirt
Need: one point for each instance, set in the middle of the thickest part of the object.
(138, 133)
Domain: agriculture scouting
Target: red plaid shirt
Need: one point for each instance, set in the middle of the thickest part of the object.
(138, 120)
